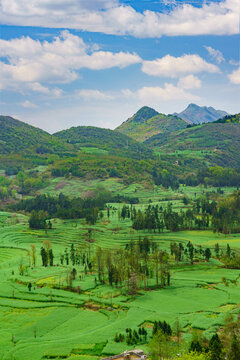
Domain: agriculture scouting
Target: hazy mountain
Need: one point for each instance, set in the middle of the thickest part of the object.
(195, 114)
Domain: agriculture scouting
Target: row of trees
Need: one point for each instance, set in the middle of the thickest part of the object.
(132, 337)
(47, 253)
(203, 214)
(63, 207)
(154, 218)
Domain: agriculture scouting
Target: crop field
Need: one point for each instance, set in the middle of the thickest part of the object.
(78, 187)
(51, 322)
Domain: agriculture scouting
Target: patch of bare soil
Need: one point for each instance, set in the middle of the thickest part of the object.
(60, 185)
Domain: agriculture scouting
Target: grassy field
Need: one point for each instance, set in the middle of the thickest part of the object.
(49, 322)
(77, 187)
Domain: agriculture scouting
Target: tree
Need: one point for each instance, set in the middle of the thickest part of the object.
(33, 254)
(177, 330)
(215, 347)
(74, 273)
(195, 346)
(37, 220)
(51, 257)
(132, 284)
(100, 263)
(66, 256)
(159, 346)
(44, 257)
(228, 253)
(207, 254)
(46, 253)
(234, 352)
(72, 254)
(217, 250)
(190, 251)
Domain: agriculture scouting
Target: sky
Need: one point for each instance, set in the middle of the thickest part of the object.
(66, 63)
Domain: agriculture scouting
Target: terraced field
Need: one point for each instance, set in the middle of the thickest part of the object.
(77, 187)
(50, 322)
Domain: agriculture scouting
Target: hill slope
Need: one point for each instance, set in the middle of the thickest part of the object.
(219, 143)
(148, 122)
(17, 136)
(234, 119)
(113, 142)
(195, 114)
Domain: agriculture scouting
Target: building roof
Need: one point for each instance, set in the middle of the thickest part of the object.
(135, 353)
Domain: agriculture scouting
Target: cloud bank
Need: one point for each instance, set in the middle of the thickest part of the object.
(32, 63)
(112, 17)
(170, 66)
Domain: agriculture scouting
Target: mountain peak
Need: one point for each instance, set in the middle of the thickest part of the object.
(193, 106)
(147, 122)
(196, 114)
(144, 114)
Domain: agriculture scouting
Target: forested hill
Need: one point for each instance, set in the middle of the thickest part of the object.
(113, 142)
(195, 114)
(17, 136)
(148, 122)
(219, 143)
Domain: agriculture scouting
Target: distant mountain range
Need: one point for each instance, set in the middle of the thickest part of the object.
(148, 122)
(195, 114)
(217, 142)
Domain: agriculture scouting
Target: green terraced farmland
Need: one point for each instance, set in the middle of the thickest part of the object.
(52, 322)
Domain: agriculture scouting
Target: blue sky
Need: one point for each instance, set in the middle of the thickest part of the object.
(95, 62)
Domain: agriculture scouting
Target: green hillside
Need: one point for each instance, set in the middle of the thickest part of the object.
(219, 143)
(17, 136)
(114, 143)
(144, 114)
(195, 114)
(234, 119)
(147, 122)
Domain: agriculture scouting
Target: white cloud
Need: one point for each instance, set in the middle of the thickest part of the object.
(216, 54)
(147, 93)
(234, 62)
(189, 82)
(110, 17)
(40, 7)
(90, 94)
(170, 66)
(169, 2)
(127, 93)
(166, 93)
(32, 62)
(235, 76)
(53, 92)
(28, 104)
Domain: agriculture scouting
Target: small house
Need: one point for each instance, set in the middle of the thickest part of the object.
(135, 354)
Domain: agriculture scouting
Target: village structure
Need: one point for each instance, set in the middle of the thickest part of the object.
(135, 354)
